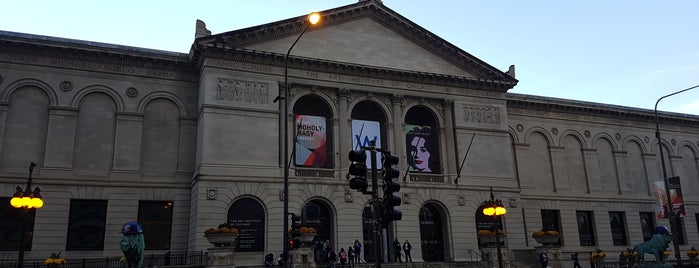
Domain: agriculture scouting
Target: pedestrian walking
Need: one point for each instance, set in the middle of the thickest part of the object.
(406, 249)
(396, 250)
(343, 257)
(357, 251)
(350, 255)
(332, 257)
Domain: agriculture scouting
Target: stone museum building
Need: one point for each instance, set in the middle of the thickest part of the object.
(182, 142)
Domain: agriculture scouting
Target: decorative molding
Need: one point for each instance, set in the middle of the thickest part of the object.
(481, 114)
(348, 196)
(66, 86)
(132, 92)
(238, 91)
(211, 193)
(461, 201)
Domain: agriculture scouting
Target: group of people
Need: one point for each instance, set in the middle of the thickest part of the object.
(406, 248)
(325, 254)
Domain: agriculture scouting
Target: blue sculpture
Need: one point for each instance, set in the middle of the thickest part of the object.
(656, 245)
(133, 244)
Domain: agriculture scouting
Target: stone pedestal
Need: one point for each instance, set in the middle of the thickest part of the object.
(220, 257)
(553, 254)
(490, 254)
(302, 258)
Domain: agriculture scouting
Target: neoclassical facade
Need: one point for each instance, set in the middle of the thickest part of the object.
(186, 141)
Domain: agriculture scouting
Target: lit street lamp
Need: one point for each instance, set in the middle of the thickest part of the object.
(495, 208)
(313, 19)
(26, 200)
(672, 216)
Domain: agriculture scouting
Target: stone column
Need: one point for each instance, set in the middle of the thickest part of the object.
(344, 134)
(560, 176)
(127, 144)
(60, 139)
(398, 147)
(452, 163)
(187, 147)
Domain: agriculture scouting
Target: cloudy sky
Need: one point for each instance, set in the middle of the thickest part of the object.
(621, 52)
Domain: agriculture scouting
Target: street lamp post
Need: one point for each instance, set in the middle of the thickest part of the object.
(672, 217)
(495, 208)
(26, 200)
(313, 19)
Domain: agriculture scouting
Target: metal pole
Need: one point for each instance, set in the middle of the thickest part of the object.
(20, 259)
(670, 208)
(285, 115)
(375, 205)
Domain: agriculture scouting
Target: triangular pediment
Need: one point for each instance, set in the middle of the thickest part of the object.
(364, 34)
(364, 42)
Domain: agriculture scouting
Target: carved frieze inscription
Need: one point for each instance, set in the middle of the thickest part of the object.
(123, 67)
(481, 114)
(242, 91)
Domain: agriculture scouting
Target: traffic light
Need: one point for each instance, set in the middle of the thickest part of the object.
(294, 243)
(358, 169)
(295, 225)
(391, 187)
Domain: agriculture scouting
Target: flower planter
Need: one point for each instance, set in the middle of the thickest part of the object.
(307, 237)
(547, 239)
(222, 240)
(490, 239)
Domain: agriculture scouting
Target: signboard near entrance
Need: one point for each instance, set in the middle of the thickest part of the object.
(247, 215)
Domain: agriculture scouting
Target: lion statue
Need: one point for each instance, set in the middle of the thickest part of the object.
(133, 244)
(656, 245)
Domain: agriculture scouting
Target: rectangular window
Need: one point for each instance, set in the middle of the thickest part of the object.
(86, 223)
(617, 223)
(11, 220)
(647, 225)
(586, 229)
(156, 219)
(550, 220)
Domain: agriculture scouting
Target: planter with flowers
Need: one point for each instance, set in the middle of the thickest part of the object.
(223, 236)
(307, 234)
(629, 256)
(488, 236)
(664, 256)
(55, 260)
(693, 254)
(546, 237)
(597, 258)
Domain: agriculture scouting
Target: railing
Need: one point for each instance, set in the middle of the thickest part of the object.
(187, 259)
(314, 173)
(426, 178)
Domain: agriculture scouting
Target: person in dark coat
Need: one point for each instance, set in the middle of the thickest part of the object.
(396, 250)
(406, 249)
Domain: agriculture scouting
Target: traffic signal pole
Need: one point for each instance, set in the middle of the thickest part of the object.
(376, 221)
(360, 182)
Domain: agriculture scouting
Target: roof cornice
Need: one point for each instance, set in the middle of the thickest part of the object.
(343, 68)
(549, 104)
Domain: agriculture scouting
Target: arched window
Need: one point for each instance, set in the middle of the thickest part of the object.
(368, 124)
(422, 141)
(248, 216)
(95, 134)
(317, 214)
(26, 125)
(313, 133)
(431, 233)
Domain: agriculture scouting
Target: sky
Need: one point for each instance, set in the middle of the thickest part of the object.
(620, 52)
